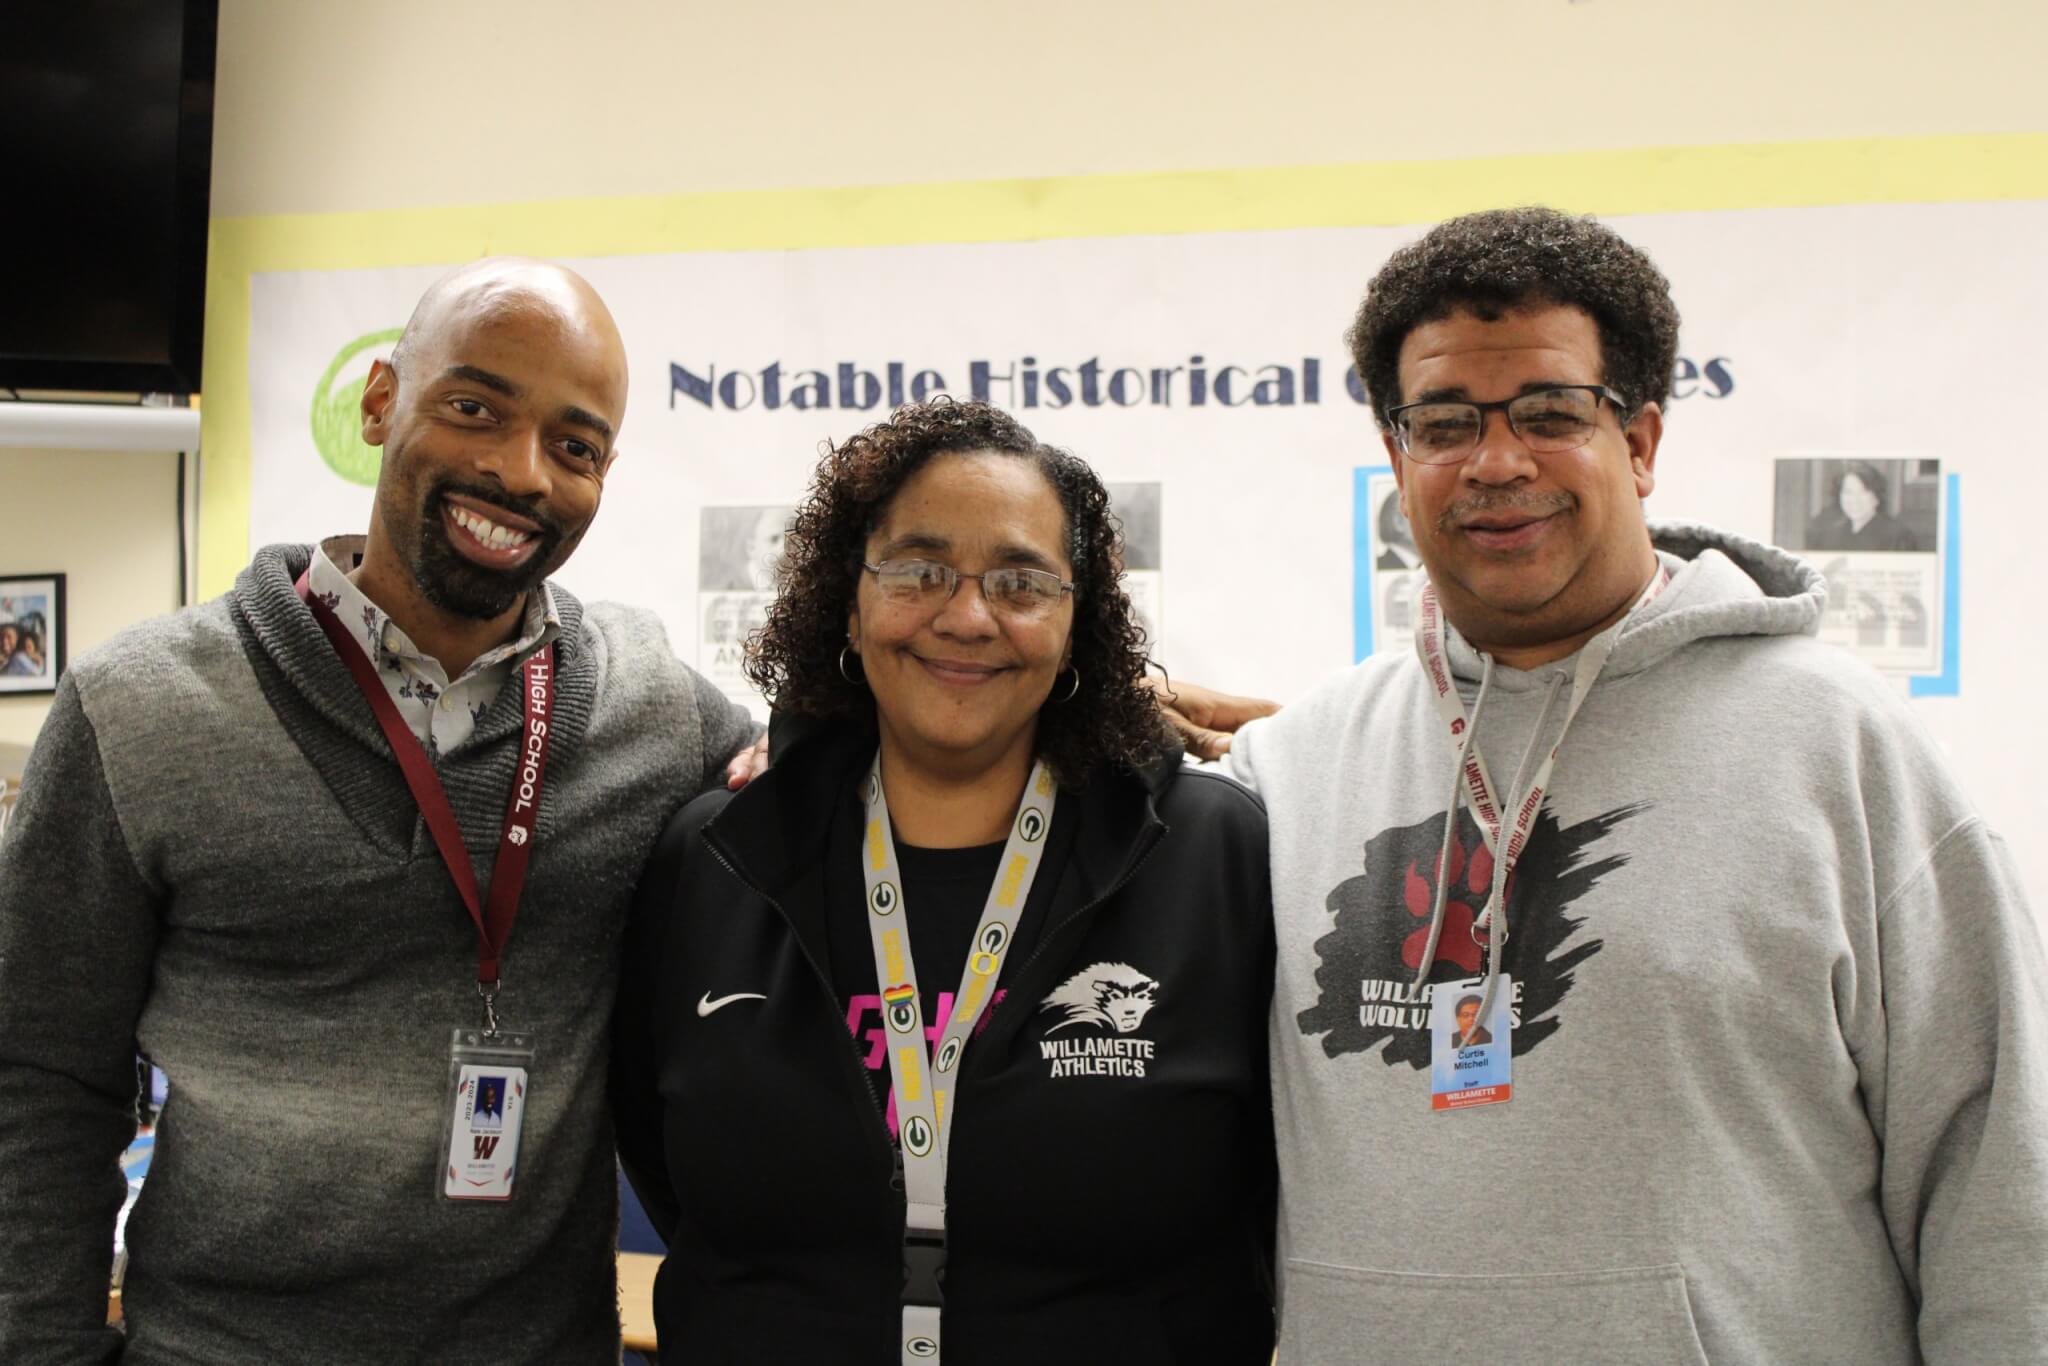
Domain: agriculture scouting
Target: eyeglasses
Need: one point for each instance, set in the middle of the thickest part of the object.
(1547, 421)
(927, 583)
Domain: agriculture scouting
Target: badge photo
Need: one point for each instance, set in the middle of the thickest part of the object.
(1471, 1053)
(483, 1139)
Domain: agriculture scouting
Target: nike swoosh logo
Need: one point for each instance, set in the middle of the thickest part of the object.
(706, 1005)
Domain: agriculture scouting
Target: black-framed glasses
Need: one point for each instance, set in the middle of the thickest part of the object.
(927, 583)
(1561, 418)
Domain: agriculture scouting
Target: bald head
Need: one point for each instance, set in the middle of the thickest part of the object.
(515, 291)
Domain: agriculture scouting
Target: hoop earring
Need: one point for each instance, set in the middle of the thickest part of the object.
(857, 682)
(1071, 691)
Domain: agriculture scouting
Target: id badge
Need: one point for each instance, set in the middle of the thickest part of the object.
(489, 1081)
(1482, 1073)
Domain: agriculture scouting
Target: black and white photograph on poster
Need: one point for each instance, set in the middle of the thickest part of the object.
(1397, 575)
(1872, 526)
(1137, 506)
(739, 551)
(31, 632)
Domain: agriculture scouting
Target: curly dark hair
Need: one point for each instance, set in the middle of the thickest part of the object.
(794, 658)
(1505, 259)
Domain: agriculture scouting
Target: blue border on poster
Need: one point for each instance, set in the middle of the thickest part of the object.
(1949, 682)
(1362, 558)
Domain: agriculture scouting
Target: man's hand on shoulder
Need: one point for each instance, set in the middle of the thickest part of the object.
(749, 764)
(1206, 719)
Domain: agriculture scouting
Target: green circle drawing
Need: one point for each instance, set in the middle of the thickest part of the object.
(337, 415)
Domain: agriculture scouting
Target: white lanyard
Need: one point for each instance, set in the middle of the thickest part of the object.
(1482, 795)
(921, 1083)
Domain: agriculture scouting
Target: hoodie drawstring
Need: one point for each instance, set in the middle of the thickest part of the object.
(1441, 900)
(1494, 919)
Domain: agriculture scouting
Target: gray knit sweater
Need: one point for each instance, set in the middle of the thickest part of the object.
(216, 859)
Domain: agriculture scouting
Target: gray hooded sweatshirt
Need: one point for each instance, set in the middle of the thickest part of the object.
(1780, 1047)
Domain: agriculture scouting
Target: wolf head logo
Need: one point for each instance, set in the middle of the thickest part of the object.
(1115, 996)
(1379, 927)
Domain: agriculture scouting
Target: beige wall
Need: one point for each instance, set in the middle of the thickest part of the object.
(108, 521)
(389, 103)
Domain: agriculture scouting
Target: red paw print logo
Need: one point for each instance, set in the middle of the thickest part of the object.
(1470, 880)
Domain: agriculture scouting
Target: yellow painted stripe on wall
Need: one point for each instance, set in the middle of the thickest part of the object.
(1653, 180)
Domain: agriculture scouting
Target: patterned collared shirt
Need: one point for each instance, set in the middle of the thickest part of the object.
(441, 713)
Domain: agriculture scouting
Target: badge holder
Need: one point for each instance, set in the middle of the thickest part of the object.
(1471, 1058)
(489, 1082)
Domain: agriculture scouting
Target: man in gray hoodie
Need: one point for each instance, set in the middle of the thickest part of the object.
(1776, 1083)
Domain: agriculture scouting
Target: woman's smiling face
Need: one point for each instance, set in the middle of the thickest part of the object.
(958, 684)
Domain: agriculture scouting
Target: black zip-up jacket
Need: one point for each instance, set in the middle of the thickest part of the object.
(1093, 1215)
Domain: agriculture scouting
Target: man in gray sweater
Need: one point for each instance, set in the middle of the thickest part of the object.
(1766, 1074)
(218, 860)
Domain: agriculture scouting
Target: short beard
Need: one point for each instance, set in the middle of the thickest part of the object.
(457, 586)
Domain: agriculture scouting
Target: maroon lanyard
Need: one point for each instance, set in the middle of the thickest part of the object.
(515, 842)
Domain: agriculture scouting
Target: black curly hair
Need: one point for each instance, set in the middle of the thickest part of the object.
(794, 658)
(1504, 259)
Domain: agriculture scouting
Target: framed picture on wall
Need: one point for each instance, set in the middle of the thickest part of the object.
(31, 632)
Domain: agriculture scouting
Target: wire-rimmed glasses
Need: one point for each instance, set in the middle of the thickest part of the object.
(927, 583)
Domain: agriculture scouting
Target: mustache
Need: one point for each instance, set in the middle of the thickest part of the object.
(530, 508)
(1503, 500)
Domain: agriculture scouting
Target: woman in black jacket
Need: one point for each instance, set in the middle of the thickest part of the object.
(971, 1064)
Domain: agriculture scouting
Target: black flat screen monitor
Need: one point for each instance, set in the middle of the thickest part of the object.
(106, 139)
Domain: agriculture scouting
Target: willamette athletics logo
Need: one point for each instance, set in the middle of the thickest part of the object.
(1369, 957)
(1105, 1001)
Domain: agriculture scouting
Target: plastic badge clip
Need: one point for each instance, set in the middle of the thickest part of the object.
(924, 1267)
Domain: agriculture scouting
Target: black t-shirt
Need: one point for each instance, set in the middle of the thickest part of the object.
(944, 891)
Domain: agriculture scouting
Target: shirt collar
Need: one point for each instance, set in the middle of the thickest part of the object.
(386, 642)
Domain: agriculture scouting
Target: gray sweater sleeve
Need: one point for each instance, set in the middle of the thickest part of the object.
(78, 930)
(1955, 1069)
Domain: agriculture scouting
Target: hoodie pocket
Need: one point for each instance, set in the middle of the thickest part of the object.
(1632, 1317)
